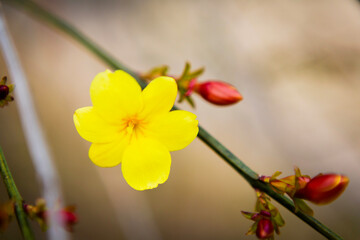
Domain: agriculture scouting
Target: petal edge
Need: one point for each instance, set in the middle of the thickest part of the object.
(146, 164)
(159, 96)
(92, 127)
(176, 129)
(115, 95)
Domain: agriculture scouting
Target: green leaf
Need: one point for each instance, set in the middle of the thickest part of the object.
(9, 98)
(258, 206)
(302, 206)
(248, 215)
(3, 103)
(3, 80)
(182, 97)
(190, 101)
(186, 70)
(156, 72)
(11, 87)
(182, 92)
(297, 172)
(271, 206)
(194, 74)
(275, 175)
(278, 219)
(161, 70)
(252, 229)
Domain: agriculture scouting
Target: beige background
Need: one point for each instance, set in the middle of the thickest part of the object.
(295, 62)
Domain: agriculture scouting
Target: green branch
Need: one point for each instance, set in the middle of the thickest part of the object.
(221, 150)
(15, 195)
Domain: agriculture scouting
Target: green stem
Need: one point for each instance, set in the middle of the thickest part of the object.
(15, 195)
(221, 150)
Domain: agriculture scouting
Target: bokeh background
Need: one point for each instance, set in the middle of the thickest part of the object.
(297, 64)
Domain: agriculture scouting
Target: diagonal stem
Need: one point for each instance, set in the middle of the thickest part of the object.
(250, 176)
(15, 195)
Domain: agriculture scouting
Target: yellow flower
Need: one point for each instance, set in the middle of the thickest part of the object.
(134, 127)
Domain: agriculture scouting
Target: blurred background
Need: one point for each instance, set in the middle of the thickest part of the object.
(297, 64)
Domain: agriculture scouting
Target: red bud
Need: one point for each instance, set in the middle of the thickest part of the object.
(323, 189)
(4, 91)
(68, 217)
(219, 93)
(265, 229)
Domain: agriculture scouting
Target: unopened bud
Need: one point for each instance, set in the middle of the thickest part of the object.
(4, 91)
(219, 93)
(323, 189)
(68, 218)
(265, 229)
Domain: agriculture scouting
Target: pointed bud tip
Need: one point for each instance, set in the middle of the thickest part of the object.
(324, 188)
(218, 93)
(68, 217)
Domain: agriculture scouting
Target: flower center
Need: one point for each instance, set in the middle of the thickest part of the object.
(131, 125)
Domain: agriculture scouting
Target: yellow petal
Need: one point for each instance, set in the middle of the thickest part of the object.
(159, 96)
(108, 154)
(115, 95)
(92, 127)
(146, 164)
(175, 129)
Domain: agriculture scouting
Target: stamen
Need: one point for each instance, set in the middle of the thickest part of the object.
(131, 125)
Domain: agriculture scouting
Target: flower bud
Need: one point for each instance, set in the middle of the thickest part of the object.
(4, 91)
(219, 93)
(68, 217)
(265, 229)
(323, 189)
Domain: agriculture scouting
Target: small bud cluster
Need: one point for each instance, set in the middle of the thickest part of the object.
(321, 189)
(5, 91)
(267, 218)
(216, 92)
(39, 213)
